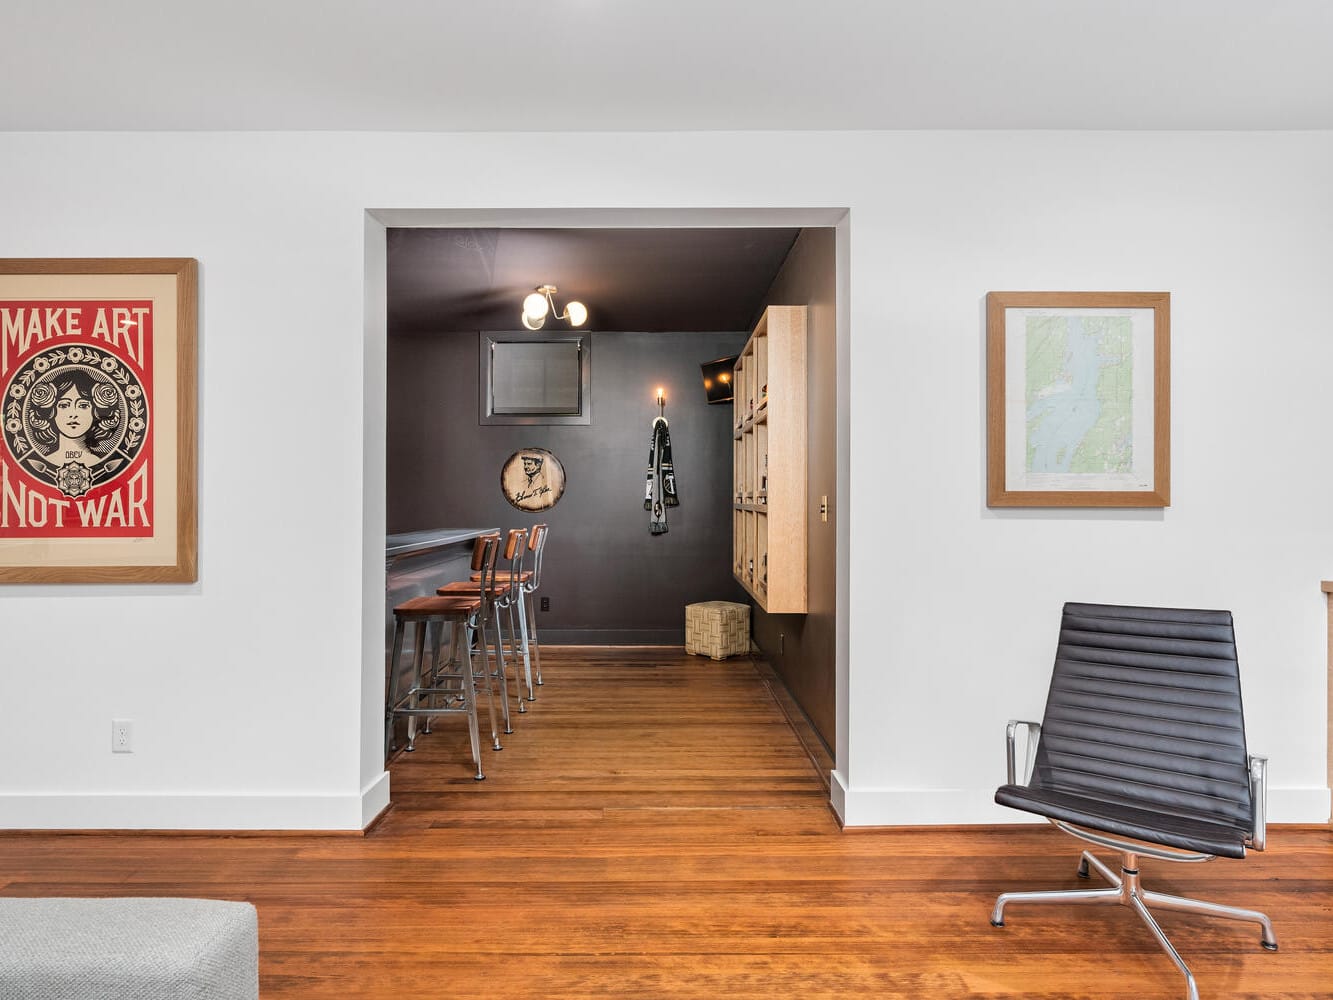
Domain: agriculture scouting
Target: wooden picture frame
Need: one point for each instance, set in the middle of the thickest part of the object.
(1078, 392)
(98, 375)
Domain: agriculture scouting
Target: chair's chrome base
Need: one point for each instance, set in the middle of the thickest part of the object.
(1128, 892)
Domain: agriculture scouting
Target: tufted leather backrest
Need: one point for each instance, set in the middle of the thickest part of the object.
(1144, 710)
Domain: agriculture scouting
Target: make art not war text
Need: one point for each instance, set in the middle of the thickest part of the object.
(24, 509)
(119, 328)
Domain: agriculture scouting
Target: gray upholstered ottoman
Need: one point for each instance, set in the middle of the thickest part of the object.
(128, 949)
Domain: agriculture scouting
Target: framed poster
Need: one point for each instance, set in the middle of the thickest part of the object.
(97, 464)
(532, 480)
(1078, 388)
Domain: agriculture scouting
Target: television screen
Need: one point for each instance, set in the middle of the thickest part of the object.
(718, 377)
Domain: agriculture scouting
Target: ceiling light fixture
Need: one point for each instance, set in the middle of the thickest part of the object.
(539, 303)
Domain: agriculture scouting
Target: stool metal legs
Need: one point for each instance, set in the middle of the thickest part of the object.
(491, 674)
(391, 685)
(528, 609)
(520, 636)
(470, 694)
(428, 683)
(460, 655)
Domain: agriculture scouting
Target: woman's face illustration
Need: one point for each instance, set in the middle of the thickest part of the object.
(74, 414)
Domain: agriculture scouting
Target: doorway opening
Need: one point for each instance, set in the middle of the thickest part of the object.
(809, 651)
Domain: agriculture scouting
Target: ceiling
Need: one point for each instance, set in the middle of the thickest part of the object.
(630, 65)
(641, 280)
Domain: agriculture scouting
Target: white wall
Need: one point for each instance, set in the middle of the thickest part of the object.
(1239, 228)
(255, 692)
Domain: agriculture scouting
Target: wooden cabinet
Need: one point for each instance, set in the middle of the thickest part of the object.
(769, 487)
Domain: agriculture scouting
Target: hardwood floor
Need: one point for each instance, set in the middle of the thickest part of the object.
(654, 828)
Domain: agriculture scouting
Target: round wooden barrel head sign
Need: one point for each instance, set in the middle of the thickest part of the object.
(532, 479)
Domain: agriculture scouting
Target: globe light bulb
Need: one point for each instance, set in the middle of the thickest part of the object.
(534, 306)
(576, 313)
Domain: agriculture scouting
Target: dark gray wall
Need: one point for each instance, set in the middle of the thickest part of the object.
(802, 648)
(608, 579)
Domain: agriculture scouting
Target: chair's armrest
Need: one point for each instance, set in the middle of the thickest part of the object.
(1029, 752)
(1259, 794)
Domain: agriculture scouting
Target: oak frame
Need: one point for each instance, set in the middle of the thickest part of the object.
(1158, 494)
(172, 284)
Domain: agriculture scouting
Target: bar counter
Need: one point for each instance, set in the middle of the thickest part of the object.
(410, 544)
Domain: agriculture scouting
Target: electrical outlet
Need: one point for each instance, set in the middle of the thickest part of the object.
(122, 736)
(546, 604)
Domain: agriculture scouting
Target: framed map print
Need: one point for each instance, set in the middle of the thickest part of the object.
(1078, 391)
(97, 420)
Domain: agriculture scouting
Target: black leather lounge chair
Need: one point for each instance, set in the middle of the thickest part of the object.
(1142, 751)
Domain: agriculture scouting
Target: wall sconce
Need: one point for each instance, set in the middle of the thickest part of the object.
(539, 303)
(718, 379)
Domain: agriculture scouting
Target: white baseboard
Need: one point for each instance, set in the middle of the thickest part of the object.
(838, 794)
(278, 811)
(374, 799)
(966, 806)
(1298, 805)
(295, 811)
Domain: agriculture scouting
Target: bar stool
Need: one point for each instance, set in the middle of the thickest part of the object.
(450, 687)
(523, 583)
(500, 598)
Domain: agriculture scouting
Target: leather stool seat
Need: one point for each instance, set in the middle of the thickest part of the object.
(523, 577)
(470, 587)
(420, 608)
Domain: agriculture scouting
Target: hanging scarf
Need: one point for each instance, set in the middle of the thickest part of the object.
(660, 492)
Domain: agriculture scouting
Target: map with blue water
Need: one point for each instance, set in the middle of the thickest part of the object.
(1080, 394)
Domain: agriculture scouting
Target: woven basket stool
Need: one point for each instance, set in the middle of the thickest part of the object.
(717, 629)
